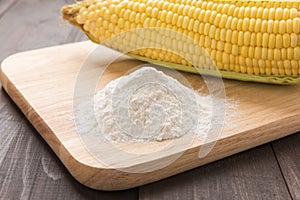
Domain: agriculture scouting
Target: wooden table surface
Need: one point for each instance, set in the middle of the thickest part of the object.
(30, 170)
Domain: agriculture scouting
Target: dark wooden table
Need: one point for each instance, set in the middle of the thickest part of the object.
(30, 170)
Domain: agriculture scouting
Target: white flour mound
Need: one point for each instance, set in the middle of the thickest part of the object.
(148, 105)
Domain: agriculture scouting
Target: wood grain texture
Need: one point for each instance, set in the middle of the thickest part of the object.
(38, 24)
(26, 16)
(249, 175)
(5, 6)
(287, 152)
(28, 167)
(30, 170)
(264, 113)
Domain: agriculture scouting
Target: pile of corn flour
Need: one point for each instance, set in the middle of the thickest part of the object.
(148, 105)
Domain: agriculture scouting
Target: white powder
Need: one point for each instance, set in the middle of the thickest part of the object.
(148, 105)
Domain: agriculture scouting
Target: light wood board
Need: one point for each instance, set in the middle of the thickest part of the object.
(42, 83)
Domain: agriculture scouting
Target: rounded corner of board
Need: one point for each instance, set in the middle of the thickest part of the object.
(3, 73)
(103, 179)
(7, 61)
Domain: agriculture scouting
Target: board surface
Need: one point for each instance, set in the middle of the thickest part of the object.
(42, 83)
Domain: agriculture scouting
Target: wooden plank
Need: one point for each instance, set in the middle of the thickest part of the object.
(253, 174)
(5, 6)
(263, 113)
(3, 98)
(38, 25)
(287, 153)
(35, 29)
(28, 167)
(30, 170)
(63, 34)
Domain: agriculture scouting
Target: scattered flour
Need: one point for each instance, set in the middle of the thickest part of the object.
(148, 105)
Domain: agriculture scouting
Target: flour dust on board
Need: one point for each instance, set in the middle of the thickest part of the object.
(148, 105)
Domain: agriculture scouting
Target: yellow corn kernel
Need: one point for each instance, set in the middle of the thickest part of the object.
(248, 37)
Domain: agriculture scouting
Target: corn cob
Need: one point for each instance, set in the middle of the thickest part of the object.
(252, 41)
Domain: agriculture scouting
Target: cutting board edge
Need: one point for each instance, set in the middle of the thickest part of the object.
(117, 180)
(120, 180)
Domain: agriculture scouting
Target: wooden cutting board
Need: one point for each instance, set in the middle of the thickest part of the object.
(42, 82)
